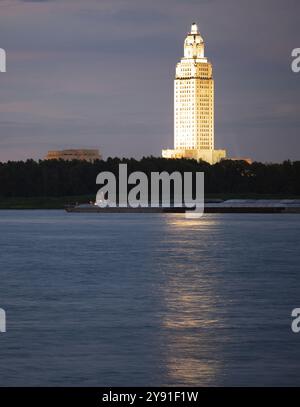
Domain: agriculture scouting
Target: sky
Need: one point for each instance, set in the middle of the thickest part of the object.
(99, 74)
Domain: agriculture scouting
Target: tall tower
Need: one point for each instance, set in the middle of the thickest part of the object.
(194, 104)
(194, 97)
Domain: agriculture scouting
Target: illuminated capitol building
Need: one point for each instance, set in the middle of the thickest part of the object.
(194, 104)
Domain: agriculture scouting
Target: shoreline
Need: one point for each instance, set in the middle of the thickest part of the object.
(48, 203)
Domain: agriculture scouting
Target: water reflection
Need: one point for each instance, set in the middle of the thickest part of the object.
(191, 319)
(180, 221)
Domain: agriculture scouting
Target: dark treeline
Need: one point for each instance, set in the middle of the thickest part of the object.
(61, 178)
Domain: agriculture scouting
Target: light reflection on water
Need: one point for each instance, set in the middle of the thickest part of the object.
(189, 322)
(190, 302)
(180, 221)
(148, 299)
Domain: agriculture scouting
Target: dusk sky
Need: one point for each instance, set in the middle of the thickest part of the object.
(99, 74)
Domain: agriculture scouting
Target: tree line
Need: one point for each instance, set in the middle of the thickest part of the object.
(55, 178)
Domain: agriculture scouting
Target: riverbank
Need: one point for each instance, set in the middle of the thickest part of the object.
(61, 202)
(43, 202)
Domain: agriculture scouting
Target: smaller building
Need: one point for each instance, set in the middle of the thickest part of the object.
(69, 155)
(246, 159)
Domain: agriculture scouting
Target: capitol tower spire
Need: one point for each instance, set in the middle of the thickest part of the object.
(194, 44)
(194, 29)
(194, 104)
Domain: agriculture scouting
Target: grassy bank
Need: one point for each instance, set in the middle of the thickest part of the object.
(60, 202)
(43, 202)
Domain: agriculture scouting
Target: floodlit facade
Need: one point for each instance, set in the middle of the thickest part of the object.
(69, 155)
(194, 104)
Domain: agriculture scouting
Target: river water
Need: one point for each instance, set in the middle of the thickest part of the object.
(149, 299)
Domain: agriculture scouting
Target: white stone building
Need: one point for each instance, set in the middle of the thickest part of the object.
(194, 104)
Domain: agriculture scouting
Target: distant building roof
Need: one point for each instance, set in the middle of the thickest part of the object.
(247, 159)
(74, 154)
